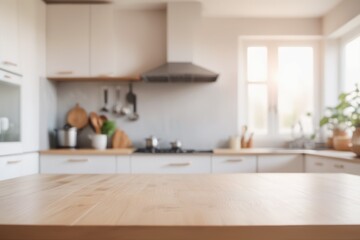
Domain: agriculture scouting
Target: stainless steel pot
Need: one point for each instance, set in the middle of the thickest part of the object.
(176, 144)
(66, 138)
(152, 142)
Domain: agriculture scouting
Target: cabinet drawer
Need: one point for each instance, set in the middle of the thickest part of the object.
(325, 165)
(18, 165)
(171, 164)
(234, 164)
(77, 164)
(281, 164)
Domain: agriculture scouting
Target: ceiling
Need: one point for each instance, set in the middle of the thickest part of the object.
(246, 8)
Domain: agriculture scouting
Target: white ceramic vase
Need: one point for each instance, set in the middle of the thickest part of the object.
(99, 141)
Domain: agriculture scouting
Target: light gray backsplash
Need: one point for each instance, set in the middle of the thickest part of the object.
(200, 115)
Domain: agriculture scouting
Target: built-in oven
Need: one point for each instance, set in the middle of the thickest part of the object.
(10, 113)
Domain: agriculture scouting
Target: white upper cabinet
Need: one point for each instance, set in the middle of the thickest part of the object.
(102, 41)
(80, 41)
(68, 43)
(281, 164)
(9, 53)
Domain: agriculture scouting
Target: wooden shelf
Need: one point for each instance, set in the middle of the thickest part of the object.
(95, 79)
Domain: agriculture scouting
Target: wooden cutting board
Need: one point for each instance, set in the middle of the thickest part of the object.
(121, 140)
(77, 117)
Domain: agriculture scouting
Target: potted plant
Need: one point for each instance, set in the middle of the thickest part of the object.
(99, 141)
(338, 118)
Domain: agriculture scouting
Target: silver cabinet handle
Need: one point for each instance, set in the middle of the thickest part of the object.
(7, 76)
(234, 160)
(184, 164)
(10, 63)
(339, 166)
(319, 164)
(13, 161)
(65, 72)
(78, 160)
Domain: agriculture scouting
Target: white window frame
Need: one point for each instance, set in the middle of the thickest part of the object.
(343, 42)
(273, 44)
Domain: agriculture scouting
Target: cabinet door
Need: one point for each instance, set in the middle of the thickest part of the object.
(31, 33)
(102, 41)
(234, 164)
(77, 164)
(13, 166)
(9, 53)
(281, 163)
(316, 164)
(171, 164)
(68, 40)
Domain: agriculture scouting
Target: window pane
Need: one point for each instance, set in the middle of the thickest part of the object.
(256, 64)
(352, 64)
(295, 87)
(257, 108)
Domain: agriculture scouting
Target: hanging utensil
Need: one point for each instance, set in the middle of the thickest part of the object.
(130, 96)
(134, 116)
(117, 107)
(105, 108)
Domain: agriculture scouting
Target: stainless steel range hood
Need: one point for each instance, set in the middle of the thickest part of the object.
(182, 23)
(179, 72)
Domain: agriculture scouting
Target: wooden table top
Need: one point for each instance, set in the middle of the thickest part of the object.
(233, 206)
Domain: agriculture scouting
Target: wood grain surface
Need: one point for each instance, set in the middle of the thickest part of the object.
(234, 206)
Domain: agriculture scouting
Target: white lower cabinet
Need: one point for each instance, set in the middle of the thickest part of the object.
(123, 164)
(171, 164)
(18, 165)
(234, 164)
(281, 163)
(77, 164)
(315, 164)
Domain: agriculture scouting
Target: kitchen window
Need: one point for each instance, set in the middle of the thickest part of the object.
(351, 63)
(279, 87)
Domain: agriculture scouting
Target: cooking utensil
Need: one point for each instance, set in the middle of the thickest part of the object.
(117, 107)
(105, 108)
(94, 122)
(77, 117)
(130, 96)
(243, 135)
(120, 140)
(176, 144)
(66, 138)
(152, 142)
(249, 143)
(134, 116)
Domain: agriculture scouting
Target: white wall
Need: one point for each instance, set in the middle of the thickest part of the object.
(200, 115)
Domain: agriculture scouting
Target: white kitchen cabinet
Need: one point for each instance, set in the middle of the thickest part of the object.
(68, 42)
(234, 164)
(81, 41)
(77, 164)
(315, 164)
(102, 41)
(280, 163)
(32, 48)
(123, 164)
(171, 163)
(18, 165)
(9, 53)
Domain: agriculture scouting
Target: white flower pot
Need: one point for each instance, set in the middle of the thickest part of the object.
(99, 141)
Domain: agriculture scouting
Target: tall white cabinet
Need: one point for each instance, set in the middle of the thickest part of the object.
(9, 39)
(24, 45)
